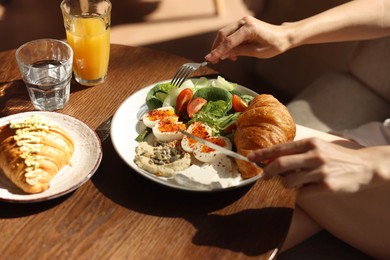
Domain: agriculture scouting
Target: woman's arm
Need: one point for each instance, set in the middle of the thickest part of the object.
(355, 20)
(358, 19)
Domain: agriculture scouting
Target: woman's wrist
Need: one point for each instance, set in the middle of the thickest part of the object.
(382, 162)
(378, 157)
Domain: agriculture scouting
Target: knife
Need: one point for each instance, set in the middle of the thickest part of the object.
(220, 148)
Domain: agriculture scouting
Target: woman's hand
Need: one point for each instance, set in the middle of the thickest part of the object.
(248, 37)
(317, 166)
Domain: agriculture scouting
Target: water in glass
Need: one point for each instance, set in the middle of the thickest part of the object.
(48, 84)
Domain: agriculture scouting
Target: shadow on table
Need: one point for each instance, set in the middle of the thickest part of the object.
(16, 210)
(14, 96)
(247, 230)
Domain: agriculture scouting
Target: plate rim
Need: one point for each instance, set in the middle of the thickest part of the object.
(161, 180)
(92, 171)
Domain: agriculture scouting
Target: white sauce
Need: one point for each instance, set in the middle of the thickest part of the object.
(219, 174)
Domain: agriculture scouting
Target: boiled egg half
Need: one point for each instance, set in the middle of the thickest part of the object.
(151, 118)
(166, 130)
(206, 154)
(198, 129)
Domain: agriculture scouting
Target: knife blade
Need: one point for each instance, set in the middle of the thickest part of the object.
(220, 148)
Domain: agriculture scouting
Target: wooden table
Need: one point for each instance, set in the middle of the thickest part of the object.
(119, 214)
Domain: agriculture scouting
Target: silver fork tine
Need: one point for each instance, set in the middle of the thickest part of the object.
(185, 70)
(185, 75)
(180, 74)
(177, 75)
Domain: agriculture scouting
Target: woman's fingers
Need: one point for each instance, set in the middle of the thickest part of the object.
(226, 47)
(300, 178)
(225, 32)
(290, 148)
(249, 37)
(306, 163)
(299, 163)
(227, 40)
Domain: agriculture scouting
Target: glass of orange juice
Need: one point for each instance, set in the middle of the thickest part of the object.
(87, 25)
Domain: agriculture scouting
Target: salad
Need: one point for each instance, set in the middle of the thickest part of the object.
(206, 108)
(215, 103)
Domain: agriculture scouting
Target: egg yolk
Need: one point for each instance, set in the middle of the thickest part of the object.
(156, 114)
(198, 130)
(167, 127)
(217, 141)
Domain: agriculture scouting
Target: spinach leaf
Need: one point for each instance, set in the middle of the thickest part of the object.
(215, 94)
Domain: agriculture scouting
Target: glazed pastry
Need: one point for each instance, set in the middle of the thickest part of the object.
(264, 123)
(32, 151)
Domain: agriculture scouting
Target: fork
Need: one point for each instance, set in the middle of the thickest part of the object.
(184, 71)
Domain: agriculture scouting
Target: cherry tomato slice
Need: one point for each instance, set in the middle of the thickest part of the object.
(182, 99)
(239, 105)
(195, 105)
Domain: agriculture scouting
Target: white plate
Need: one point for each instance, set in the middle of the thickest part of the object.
(85, 160)
(125, 127)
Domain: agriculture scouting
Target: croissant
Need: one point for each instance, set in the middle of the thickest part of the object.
(264, 123)
(32, 152)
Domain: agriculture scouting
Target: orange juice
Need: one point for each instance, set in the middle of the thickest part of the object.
(89, 38)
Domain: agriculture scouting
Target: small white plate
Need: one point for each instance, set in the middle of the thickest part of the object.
(125, 127)
(85, 160)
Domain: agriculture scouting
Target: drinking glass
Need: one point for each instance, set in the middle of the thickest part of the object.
(87, 25)
(46, 69)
